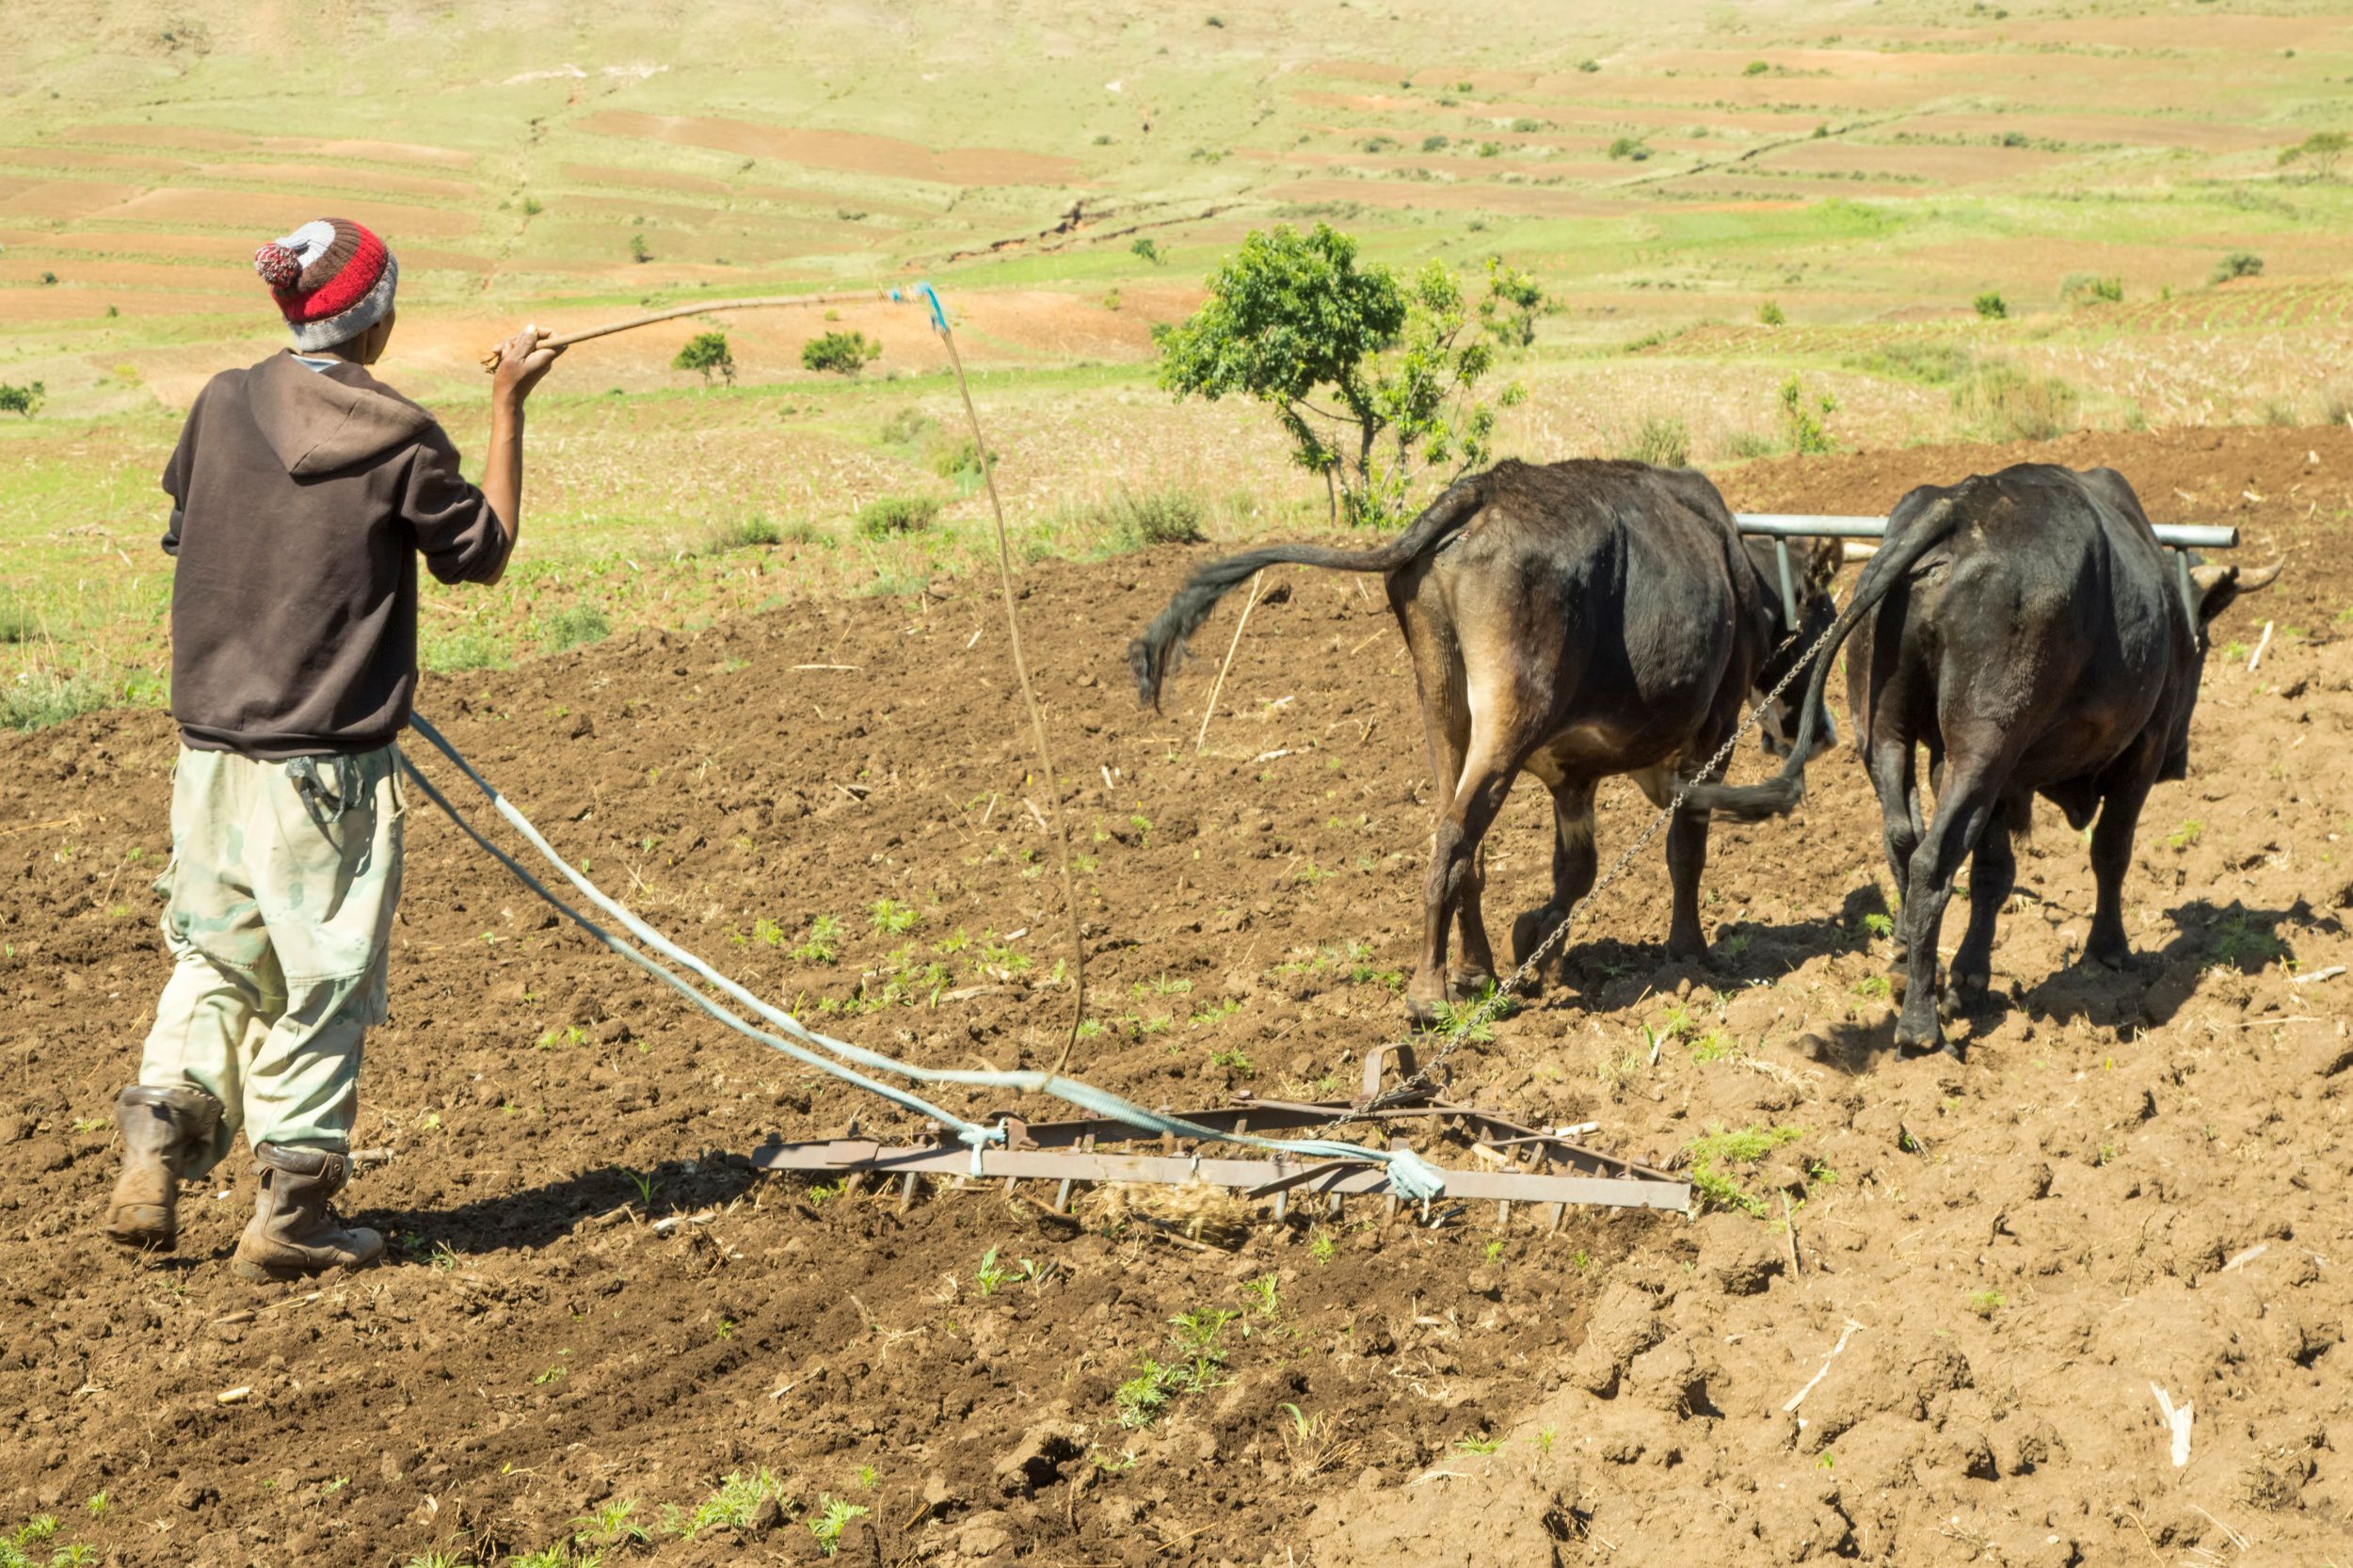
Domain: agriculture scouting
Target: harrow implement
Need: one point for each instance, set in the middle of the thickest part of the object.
(1516, 1165)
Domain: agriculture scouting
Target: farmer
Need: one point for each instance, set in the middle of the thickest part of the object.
(303, 492)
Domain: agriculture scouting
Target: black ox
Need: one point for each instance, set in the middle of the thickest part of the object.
(1577, 621)
(2025, 627)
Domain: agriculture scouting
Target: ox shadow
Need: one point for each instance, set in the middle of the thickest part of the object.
(2207, 937)
(535, 1216)
(1606, 974)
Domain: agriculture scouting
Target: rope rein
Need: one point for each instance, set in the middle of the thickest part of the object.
(1408, 1173)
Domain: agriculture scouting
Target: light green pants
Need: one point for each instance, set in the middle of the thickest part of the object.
(278, 911)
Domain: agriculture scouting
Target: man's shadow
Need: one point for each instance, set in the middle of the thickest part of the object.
(539, 1215)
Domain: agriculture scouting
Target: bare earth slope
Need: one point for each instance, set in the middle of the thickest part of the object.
(2131, 1180)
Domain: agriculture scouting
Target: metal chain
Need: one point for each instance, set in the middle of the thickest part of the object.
(1494, 1000)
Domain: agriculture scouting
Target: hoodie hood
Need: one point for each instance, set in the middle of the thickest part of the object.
(320, 420)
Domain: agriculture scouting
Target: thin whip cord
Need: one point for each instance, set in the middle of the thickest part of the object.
(1029, 695)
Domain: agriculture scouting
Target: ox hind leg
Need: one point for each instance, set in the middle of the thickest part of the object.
(1972, 793)
(1452, 894)
(1890, 763)
(2111, 852)
(1687, 857)
(1992, 876)
(1451, 887)
(1575, 861)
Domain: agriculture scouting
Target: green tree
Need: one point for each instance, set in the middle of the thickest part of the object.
(21, 400)
(845, 353)
(1990, 304)
(1373, 378)
(707, 352)
(2321, 150)
(638, 249)
(1145, 248)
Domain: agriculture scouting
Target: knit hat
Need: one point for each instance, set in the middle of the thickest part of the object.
(332, 279)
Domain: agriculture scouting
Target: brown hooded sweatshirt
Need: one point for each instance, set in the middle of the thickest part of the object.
(303, 501)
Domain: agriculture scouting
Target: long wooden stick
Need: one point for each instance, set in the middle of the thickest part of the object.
(490, 360)
(1219, 684)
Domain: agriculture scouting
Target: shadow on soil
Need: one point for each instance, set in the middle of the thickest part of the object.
(539, 1215)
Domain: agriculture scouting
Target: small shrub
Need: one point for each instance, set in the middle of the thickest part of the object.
(574, 625)
(2237, 263)
(1805, 418)
(532, 207)
(463, 651)
(1660, 439)
(1932, 360)
(1755, 68)
(1990, 304)
(40, 697)
(843, 352)
(1999, 403)
(742, 533)
(1434, 143)
(1589, 67)
(1491, 149)
(1145, 249)
(1750, 444)
(2087, 288)
(1633, 148)
(21, 400)
(1769, 314)
(48, 279)
(707, 352)
(1157, 517)
(639, 250)
(1525, 126)
(889, 515)
(907, 428)
(959, 459)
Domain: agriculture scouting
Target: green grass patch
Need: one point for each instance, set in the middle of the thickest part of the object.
(42, 696)
(574, 625)
(1714, 1155)
(893, 515)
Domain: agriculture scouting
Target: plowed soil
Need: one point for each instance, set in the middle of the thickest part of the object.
(1921, 1325)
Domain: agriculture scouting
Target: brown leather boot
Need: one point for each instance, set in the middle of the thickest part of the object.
(163, 1129)
(294, 1234)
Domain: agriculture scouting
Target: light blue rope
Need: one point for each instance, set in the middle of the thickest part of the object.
(1411, 1175)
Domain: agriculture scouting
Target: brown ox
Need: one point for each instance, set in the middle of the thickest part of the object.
(1577, 621)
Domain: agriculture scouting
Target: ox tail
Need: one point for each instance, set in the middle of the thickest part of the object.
(1155, 654)
(1782, 792)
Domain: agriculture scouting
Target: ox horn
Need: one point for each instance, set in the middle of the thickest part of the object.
(2262, 577)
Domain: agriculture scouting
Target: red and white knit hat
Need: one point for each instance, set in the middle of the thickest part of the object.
(332, 279)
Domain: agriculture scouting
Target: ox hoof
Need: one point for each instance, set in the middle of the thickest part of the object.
(1917, 1031)
(1966, 993)
(1422, 1013)
(1531, 929)
(1469, 985)
(2116, 959)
